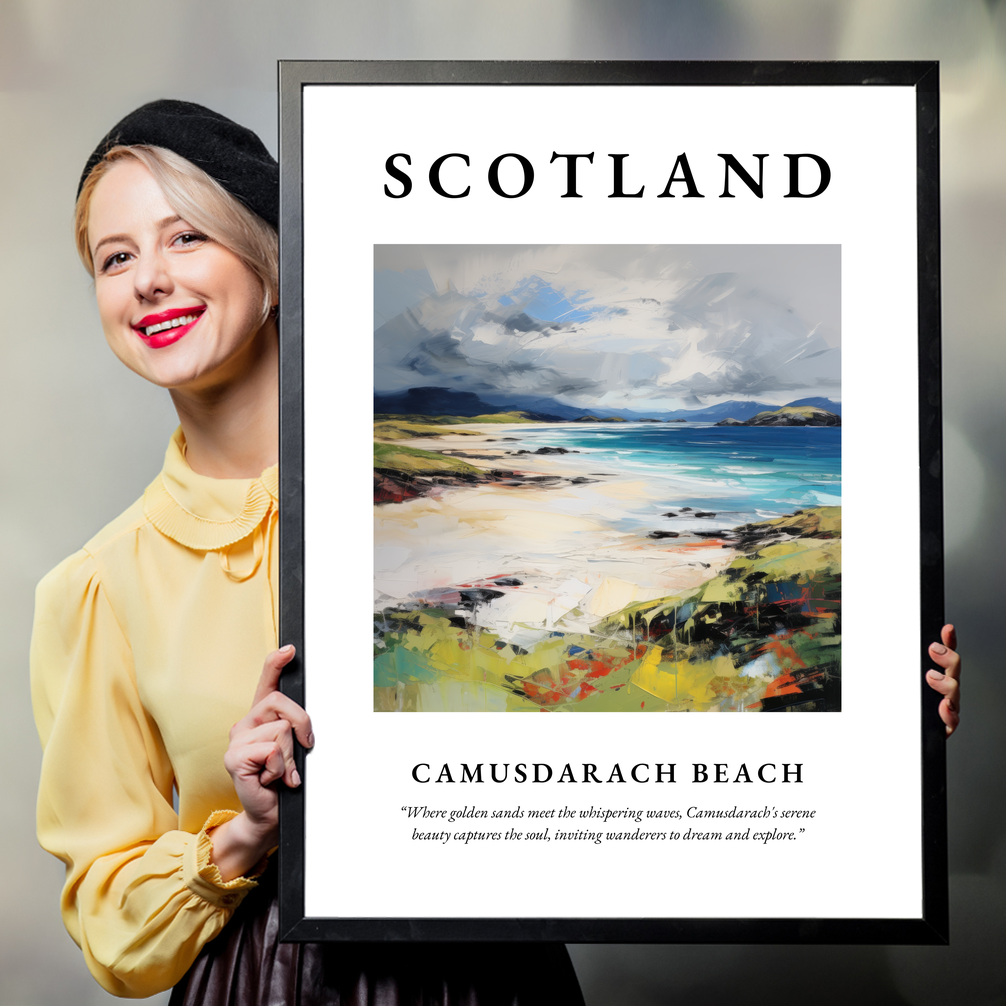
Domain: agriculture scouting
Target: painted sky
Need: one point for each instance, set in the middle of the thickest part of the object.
(611, 326)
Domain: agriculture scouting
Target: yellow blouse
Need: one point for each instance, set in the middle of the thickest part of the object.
(147, 647)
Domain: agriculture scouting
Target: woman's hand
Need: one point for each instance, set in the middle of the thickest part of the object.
(947, 682)
(260, 753)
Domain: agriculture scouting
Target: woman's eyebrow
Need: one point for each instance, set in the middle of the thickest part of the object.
(160, 225)
(109, 240)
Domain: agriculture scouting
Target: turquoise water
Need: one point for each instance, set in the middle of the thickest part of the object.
(742, 473)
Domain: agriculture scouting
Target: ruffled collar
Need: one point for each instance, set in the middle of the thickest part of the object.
(203, 513)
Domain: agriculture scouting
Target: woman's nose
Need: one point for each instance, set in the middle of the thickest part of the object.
(152, 277)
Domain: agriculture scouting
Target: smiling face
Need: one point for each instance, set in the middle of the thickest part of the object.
(177, 307)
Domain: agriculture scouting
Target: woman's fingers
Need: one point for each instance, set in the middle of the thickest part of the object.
(260, 761)
(261, 749)
(949, 636)
(277, 706)
(949, 710)
(946, 681)
(277, 735)
(271, 671)
(274, 766)
(944, 684)
(270, 703)
(949, 660)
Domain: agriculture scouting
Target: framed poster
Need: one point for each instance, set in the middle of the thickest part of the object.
(650, 356)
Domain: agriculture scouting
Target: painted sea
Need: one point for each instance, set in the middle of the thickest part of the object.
(742, 473)
(607, 566)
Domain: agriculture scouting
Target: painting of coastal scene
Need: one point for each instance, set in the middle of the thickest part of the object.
(607, 478)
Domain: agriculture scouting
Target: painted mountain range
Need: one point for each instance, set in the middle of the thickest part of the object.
(433, 401)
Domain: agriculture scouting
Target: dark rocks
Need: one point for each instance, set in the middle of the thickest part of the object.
(394, 487)
(474, 596)
(391, 486)
(468, 454)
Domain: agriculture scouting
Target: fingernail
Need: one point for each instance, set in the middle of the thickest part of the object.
(295, 777)
(936, 675)
(938, 648)
(310, 740)
(287, 649)
(951, 706)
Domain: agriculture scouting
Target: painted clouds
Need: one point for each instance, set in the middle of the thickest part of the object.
(616, 327)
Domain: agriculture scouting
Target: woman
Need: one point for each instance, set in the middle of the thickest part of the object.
(148, 643)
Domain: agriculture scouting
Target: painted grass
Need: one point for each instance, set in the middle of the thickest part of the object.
(765, 634)
(397, 457)
(399, 430)
(431, 421)
(410, 427)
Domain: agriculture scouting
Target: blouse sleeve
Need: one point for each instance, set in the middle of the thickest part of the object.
(141, 898)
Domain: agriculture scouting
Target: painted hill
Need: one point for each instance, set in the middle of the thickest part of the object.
(742, 411)
(828, 404)
(447, 402)
(789, 415)
(442, 402)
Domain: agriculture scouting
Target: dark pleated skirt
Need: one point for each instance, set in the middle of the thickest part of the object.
(246, 965)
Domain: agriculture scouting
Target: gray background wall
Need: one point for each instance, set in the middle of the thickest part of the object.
(81, 436)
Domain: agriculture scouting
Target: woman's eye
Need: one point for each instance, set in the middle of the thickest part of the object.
(114, 261)
(190, 238)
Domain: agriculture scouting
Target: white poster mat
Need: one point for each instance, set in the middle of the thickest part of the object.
(861, 772)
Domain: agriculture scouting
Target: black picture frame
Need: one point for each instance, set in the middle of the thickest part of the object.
(931, 927)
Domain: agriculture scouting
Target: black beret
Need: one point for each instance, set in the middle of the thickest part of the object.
(231, 154)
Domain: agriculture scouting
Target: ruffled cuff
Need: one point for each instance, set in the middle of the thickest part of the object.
(203, 878)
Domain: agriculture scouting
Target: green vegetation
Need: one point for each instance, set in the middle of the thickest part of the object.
(390, 427)
(431, 421)
(409, 459)
(498, 417)
(398, 430)
(764, 634)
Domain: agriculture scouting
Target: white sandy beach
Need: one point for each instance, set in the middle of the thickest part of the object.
(562, 542)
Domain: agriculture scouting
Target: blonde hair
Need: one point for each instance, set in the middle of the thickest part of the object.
(199, 200)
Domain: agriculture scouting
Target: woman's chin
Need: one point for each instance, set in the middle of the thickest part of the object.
(195, 365)
(173, 374)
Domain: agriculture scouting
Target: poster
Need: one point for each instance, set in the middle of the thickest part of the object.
(639, 349)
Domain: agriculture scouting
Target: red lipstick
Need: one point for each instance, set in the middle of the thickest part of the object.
(166, 327)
